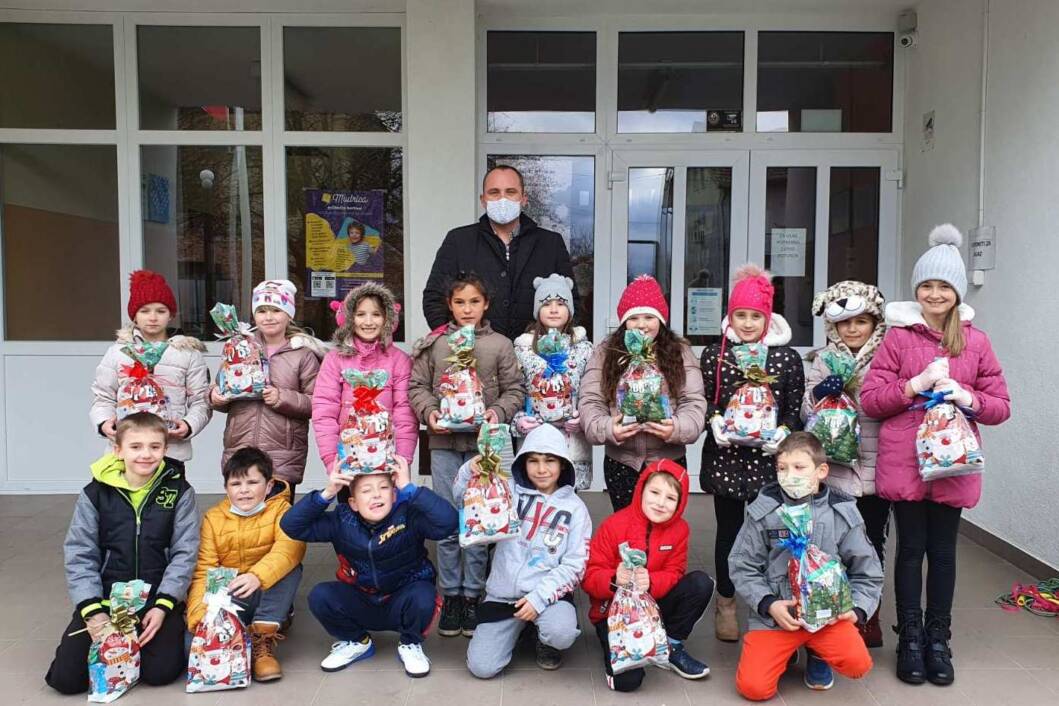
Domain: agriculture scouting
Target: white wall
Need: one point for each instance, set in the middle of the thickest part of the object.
(1021, 153)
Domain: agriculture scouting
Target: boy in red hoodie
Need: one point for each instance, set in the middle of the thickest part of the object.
(654, 523)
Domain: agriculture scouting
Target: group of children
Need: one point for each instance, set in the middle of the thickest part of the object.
(137, 516)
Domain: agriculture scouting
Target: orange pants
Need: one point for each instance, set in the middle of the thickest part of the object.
(766, 653)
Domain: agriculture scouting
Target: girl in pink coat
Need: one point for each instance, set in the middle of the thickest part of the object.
(931, 345)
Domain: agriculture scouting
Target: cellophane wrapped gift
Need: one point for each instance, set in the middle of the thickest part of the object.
(945, 442)
(459, 389)
(114, 661)
(635, 633)
(488, 512)
(834, 420)
(750, 415)
(818, 580)
(243, 374)
(551, 397)
(139, 390)
(365, 441)
(643, 395)
(219, 657)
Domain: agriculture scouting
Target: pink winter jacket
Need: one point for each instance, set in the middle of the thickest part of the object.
(908, 348)
(333, 397)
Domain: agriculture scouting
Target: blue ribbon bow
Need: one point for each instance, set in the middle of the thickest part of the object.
(936, 397)
(796, 544)
(555, 363)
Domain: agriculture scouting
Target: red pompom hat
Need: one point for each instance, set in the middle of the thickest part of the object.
(146, 287)
(643, 296)
(751, 289)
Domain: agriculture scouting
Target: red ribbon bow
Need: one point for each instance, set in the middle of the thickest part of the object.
(136, 371)
(364, 400)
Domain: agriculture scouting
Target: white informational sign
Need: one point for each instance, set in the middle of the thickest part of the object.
(704, 311)
(983, 248)
(323, 284)
(788, 252)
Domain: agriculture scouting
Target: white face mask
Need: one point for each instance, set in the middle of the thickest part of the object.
(797, 486)
(503, 211)
(247, 513)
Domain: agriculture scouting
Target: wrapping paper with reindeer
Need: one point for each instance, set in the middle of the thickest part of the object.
(635, 633)
(818, 580)
(945, 442)
(219, 657)
(243, 374)
(551, 391)
(834, 420)
(643, 395)
(114, 661)
(139, 390)
(488, 512)
(365, 441)
(459, 389)
(750, 415)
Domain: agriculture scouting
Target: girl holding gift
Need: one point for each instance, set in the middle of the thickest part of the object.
(541, 366)
(461, 572)
(630, 447)
(278, 423)
(176, 363)
(931, 346)
(732, 472)
(853, 323)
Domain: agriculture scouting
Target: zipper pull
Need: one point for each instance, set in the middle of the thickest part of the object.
(137, 525)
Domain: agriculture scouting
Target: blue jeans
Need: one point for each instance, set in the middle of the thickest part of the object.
(461, 571)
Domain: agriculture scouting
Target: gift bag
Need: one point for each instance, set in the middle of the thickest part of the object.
(635, 633)
(488, 511)
(219, 657)
(459, 389)
(818, 580)
(243, 374)
(945, 442)
(139, 390)
(834, 420)
(365, 441)
(551, 397)
(643, 395)
(114, 661)
(750, 415)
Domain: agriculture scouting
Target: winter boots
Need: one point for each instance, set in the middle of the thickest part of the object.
(725, 623)
(911, 666)
(263, 638)
(938, 656)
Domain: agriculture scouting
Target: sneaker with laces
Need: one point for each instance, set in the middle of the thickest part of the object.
(818, 674)
(451, 616)
(470, 617)
(416, 664)
(684, 664)
(548, 657)
(345, 653)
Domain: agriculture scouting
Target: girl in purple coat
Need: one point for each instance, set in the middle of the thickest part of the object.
(931, 345)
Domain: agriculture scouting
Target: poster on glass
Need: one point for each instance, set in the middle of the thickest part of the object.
(343, 240)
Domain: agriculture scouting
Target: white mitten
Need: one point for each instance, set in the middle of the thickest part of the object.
(772, 446)
(719, 436)
(954, 392)
(937, 370)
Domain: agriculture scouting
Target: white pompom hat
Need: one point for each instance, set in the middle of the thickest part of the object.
(943, 260)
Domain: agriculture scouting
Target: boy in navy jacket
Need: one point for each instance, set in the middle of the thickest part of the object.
(379, 525)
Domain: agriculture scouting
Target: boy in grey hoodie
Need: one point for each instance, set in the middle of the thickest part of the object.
(533, 575)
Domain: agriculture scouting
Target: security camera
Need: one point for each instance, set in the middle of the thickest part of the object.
(908, 39)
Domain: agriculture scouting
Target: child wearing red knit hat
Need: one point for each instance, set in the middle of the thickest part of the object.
(630, 447)
(176, 363)
(731, 472)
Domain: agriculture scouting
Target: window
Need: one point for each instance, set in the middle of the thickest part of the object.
(324, 87)
(59, 222)
(790, 244)
(203, 227)
(561, 192)
(825, 81)
(651, 225)
(541, 81)
(853, 243)
(680, 81)
(199, 78)
(345, 226)
(708, 224)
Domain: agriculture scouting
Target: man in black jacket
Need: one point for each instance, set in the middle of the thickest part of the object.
(506, 248)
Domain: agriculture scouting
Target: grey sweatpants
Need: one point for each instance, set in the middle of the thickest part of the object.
(491, 647)
(461, 572)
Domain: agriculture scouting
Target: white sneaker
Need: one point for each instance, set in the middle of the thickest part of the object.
(414, 660)
(345, 653)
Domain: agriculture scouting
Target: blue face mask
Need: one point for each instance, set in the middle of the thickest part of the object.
(256, 509)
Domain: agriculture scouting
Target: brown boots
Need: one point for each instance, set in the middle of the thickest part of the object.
(263, 639)
(725, 623)
(871, 631)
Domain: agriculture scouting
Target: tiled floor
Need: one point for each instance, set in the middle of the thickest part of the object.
(1001, 657)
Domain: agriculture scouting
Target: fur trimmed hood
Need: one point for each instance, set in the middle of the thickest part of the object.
(305, 340)
(577, 334)
(343, 338)
(131, 334)
(909, 314)
(779, 333)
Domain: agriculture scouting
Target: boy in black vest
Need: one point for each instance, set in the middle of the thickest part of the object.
(136, 519)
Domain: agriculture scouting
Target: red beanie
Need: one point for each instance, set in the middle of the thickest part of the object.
(752, 289)
(643, 296)
(146, 287)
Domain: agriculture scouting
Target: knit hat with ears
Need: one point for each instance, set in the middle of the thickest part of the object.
(554, 286)
(943, 260)
(146, 287)
(643, 296)
(275, 292)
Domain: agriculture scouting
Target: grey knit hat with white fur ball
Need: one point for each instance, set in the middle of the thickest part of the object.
(553, 286)
(943, 260)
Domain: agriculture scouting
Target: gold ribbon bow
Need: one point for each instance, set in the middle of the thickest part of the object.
(462, 360)
(758, 376)
(489, 464)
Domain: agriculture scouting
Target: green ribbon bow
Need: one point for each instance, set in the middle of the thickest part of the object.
(640, 347)
(227, 319)
(632, 558)
(366, 378)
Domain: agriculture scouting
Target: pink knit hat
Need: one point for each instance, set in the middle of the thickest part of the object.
(643, 296)
(752, 289)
